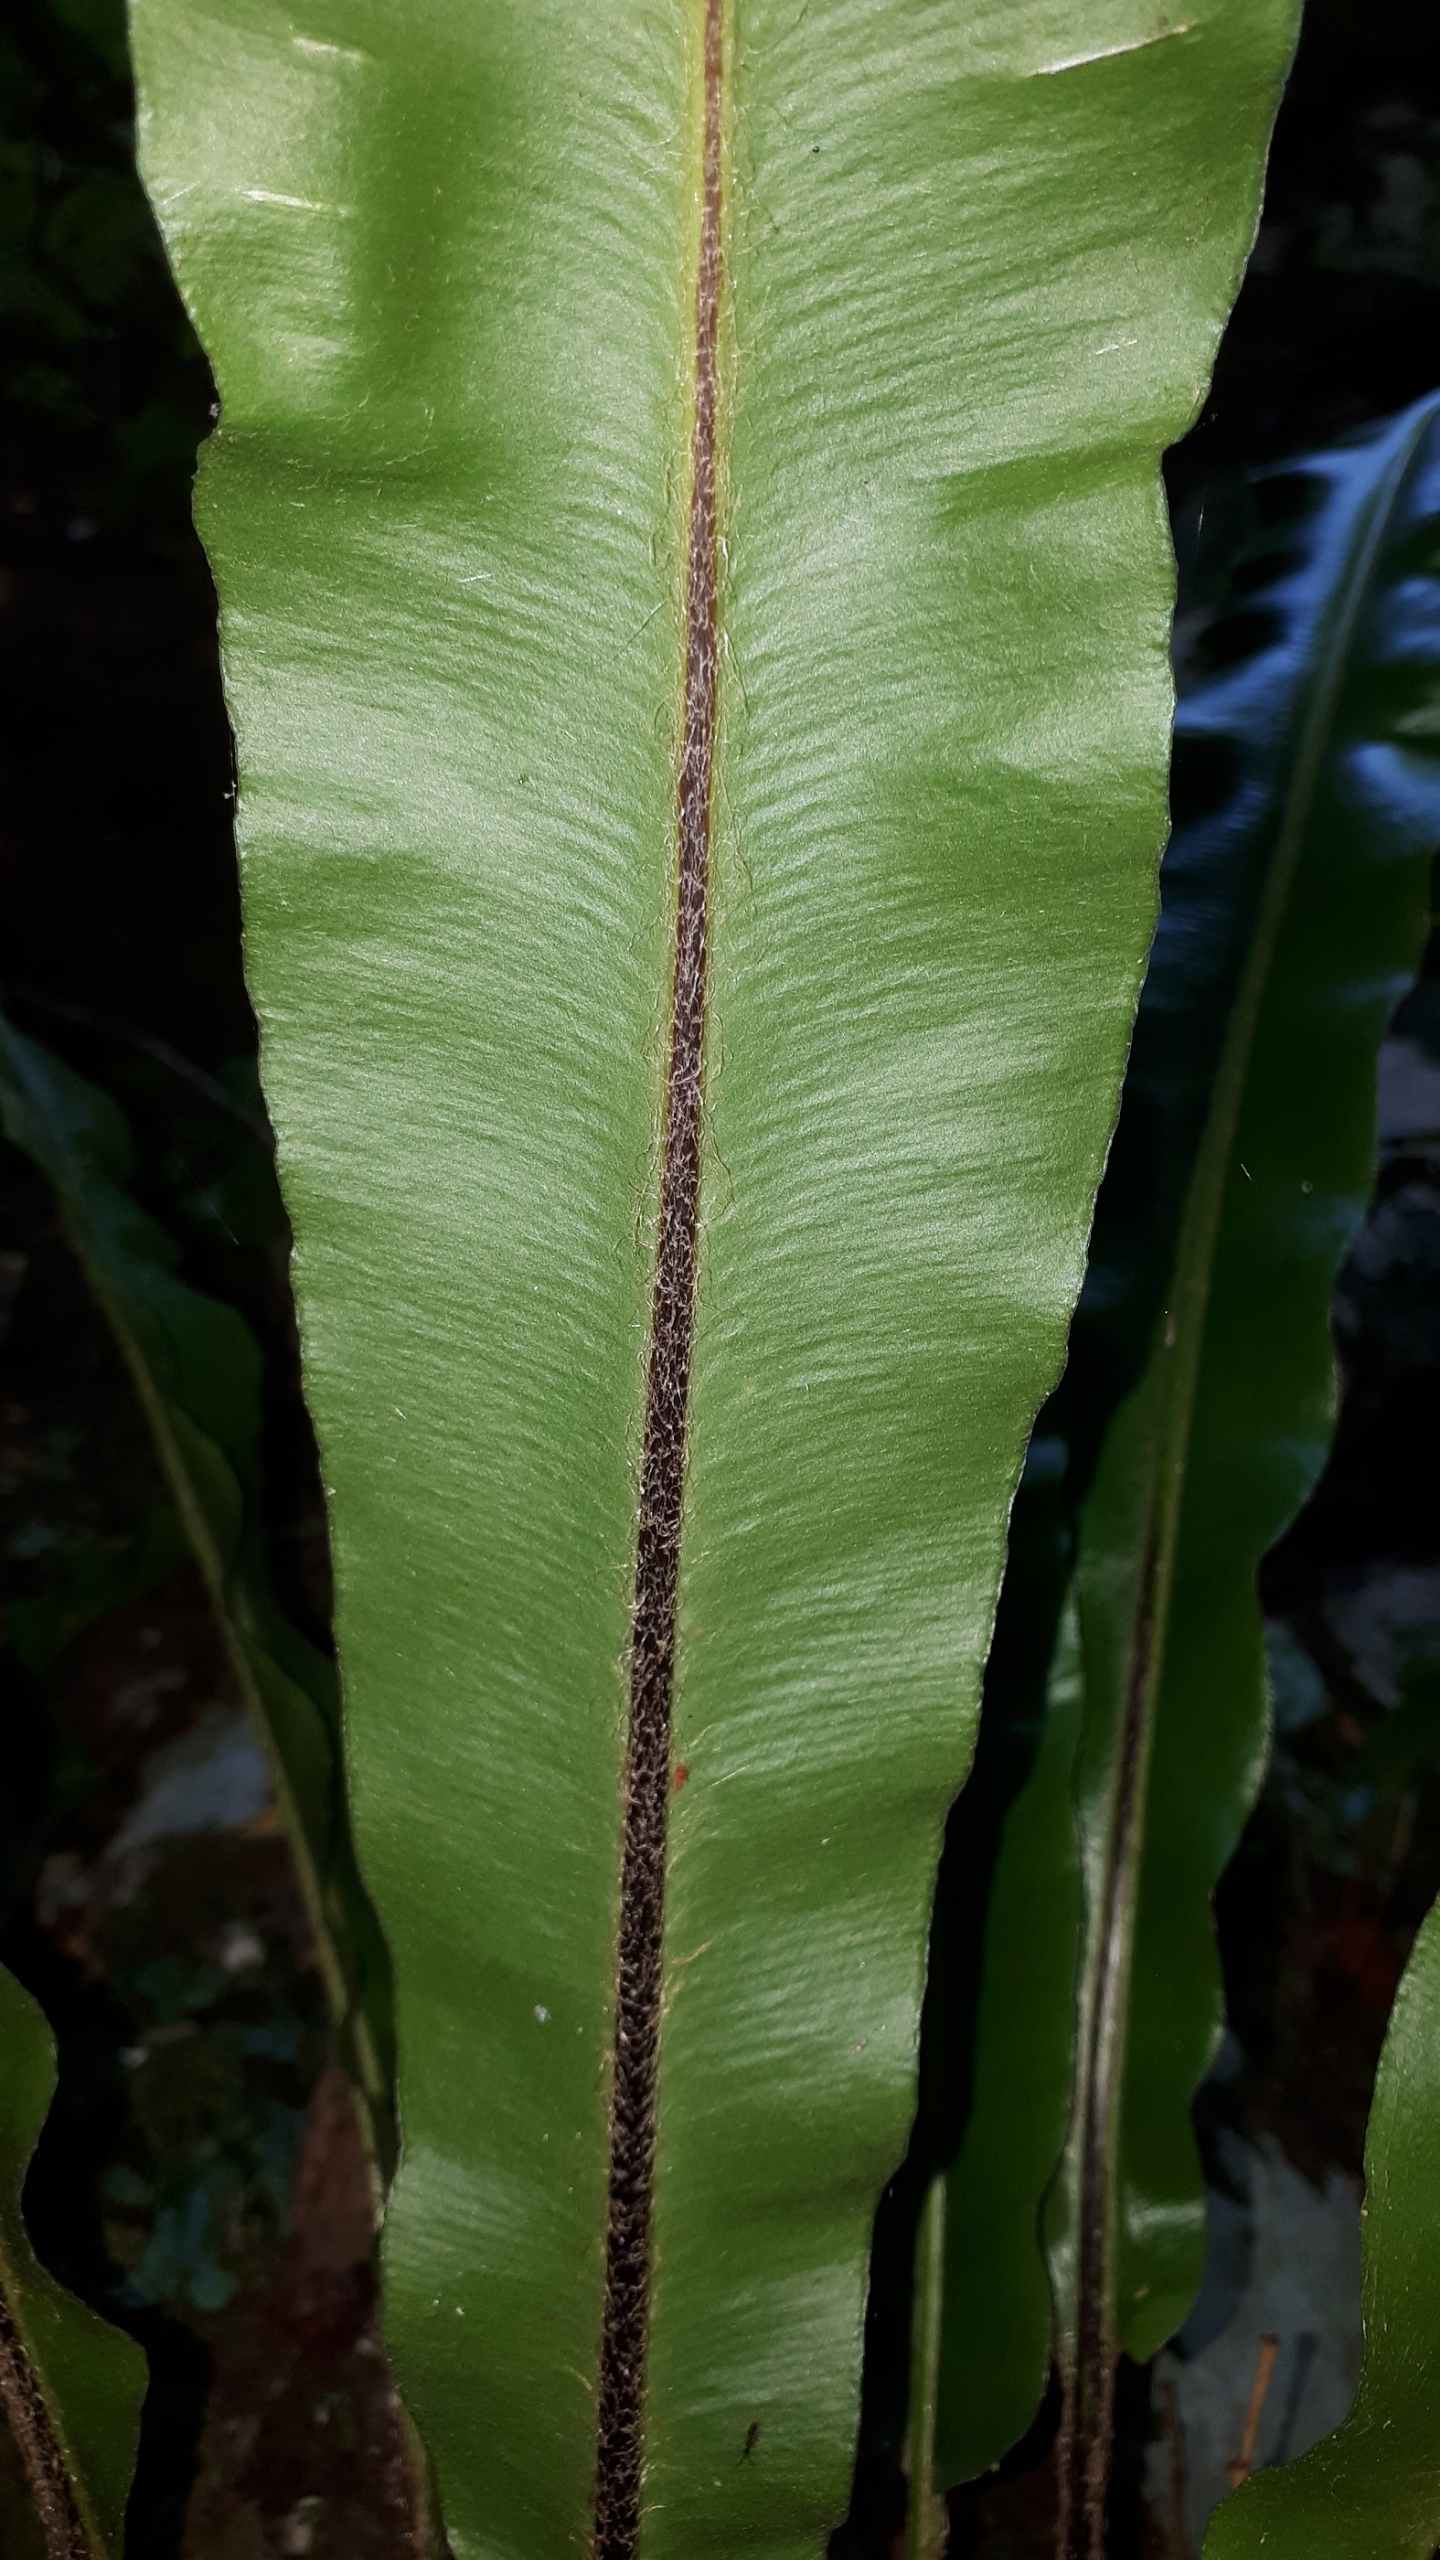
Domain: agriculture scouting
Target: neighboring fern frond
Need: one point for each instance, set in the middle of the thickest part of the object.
(1199, 1400)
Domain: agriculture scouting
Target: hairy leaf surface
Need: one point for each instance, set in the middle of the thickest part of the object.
(710, 444)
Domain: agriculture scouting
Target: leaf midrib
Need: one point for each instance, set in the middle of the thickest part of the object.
(66, 2528)
(647, 1779)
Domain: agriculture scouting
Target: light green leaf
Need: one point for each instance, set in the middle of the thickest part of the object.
(70, 2386)
(757, 405)
(1320, 857)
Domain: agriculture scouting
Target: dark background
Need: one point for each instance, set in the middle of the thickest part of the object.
(200, 2178)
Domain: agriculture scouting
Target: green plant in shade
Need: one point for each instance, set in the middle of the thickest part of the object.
(195, 1371)
(1369, 2491)
(71, 2386)
(1196, 1416)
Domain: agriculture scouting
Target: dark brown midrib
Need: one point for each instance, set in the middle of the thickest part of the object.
(23, 2405)
(1090, 2396)
(625, 2331)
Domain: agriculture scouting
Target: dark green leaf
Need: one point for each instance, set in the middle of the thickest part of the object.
(195, 1370)
(70, 2387)
(1293, 919)
(992, 2371)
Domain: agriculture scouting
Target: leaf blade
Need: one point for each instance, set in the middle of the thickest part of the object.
(849, 1211)
(195, 1372)
(449, 554)
(1219, 1442)
(1368, 2491)
(483, 919)
(71, 2385)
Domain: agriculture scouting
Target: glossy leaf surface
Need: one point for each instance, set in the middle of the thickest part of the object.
(971, 273)
(1301, 906)
(70, 2386)
(1319, 715)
